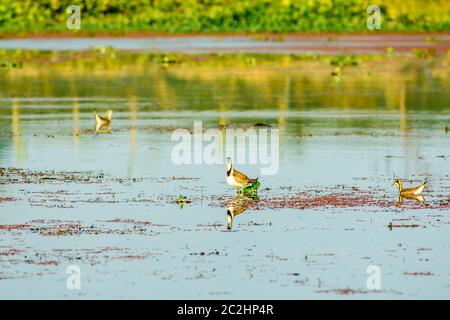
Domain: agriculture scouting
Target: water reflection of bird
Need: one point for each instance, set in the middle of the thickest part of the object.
(409, 192)
(419, 198)
(102, 122)
(235, 207)
(447, 129)
(235, 178)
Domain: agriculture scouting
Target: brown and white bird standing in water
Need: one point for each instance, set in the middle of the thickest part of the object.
(415, 191)
(103, 122)
(235, 178)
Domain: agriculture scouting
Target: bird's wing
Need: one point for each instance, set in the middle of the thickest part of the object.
(414, 191)
(98, 117)
(418, 190)
(241, 178)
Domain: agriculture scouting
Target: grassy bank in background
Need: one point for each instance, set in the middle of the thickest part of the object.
(197, 16)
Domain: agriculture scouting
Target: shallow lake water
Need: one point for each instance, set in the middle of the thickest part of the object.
(107, 203)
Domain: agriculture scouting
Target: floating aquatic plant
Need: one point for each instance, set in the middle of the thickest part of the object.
(251, 189)
(182, 200)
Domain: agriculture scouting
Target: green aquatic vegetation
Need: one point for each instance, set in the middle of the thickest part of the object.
(424, 53)
(252, 189)
(339, 62)
(182, 200)
(166, 60)
(109, 58)
(343, 61)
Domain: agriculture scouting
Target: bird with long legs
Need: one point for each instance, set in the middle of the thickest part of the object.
(102, 122)
(237, 179)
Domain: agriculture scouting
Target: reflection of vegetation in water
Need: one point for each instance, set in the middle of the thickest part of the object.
(133, 133)
(75, 121)
(75, 115)
(135, 82)
(276, 82)
(16, 132)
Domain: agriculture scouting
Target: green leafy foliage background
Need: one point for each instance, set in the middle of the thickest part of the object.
(197, 16)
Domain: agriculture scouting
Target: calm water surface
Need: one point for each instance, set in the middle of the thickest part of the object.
(107, 203)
